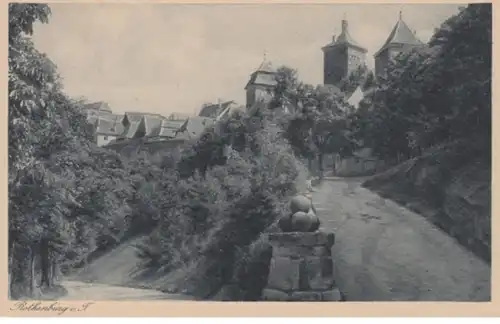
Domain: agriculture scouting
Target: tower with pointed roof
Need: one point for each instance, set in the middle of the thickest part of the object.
(400, 40)
(261, 85)
(342, 56)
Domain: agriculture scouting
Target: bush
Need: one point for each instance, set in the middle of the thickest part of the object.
(225, 198)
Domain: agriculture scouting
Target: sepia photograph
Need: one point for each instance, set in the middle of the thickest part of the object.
(249, 152)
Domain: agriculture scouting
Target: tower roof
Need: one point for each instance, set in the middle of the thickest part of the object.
(400, 34)
(345, 38)
(264, 75)
(266, 66)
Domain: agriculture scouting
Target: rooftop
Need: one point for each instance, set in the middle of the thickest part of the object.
(400, 34)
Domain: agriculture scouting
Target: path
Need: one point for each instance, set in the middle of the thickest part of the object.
(385, 252)
(93, 291)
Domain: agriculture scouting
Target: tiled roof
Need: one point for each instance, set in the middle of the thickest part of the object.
(214, 110)
(194, 127)
(153, 123)
(264, 75)
(262, 78)
(266, 66)
(345, 38)
(400, 34)
(356, 97)
(167, 128)
(129, 132)
(110, 125)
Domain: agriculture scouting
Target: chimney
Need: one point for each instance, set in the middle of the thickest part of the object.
(344, 25)
(333, 38)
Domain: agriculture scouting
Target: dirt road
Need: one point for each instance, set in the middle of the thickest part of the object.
(385, 252)
(93, 291)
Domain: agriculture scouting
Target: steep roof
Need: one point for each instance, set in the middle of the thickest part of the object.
(265, 75)
(400, 34)
(152, 123)
(266, 66)
(345, 38)
(194, 127)
(110, 125)
(214, 110)
(167, 128)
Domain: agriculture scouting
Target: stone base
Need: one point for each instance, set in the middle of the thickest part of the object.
(301, 268)
(318, 238)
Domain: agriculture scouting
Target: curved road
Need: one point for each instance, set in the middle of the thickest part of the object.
(384, 252)
(77, 290)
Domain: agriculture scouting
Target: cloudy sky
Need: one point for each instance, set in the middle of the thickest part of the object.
(165, 58)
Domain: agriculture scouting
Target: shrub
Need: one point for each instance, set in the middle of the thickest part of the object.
(225, 198)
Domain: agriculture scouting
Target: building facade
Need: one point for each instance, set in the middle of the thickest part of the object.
(342, 56)
(260, 88)
(401, 40)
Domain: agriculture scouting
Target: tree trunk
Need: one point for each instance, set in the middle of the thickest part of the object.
(32, 276)
(11, 265)
(45, 262)
(320, 165)
(310, 165)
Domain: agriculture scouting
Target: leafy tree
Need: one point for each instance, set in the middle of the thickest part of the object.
(435, 94)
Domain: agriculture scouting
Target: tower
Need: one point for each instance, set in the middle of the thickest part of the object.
(400, 40)
(342, 56)
(261, 85)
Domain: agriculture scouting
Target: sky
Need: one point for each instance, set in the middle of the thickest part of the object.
(165, 58)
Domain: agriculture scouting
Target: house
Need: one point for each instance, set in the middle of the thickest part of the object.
(218, 110)
(260, 88)
(169, 128)
(137, 124)
(108, 128)
(194, 127)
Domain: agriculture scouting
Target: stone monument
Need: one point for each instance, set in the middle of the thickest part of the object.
(301, 266)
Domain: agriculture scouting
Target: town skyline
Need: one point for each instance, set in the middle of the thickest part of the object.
(198, 49)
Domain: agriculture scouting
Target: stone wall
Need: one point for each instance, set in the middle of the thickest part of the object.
(301, 268)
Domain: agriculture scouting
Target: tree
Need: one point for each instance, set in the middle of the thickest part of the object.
(60, 184)
(435, 94)
(354, 79)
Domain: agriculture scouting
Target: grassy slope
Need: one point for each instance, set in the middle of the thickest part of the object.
(449, 185)
(121, 267)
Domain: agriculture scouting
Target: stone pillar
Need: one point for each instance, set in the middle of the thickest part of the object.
(301, 267)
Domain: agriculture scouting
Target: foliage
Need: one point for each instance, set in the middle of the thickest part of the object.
(436, 94)
(319, 122)
(66, 196)
(225, 197)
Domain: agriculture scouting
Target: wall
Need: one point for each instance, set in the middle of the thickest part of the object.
(334, 64)
(339, 61)
(356, 59)
(104, 139)
(256, 93)
(381, 62)
(362, 164)
(131, 147)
